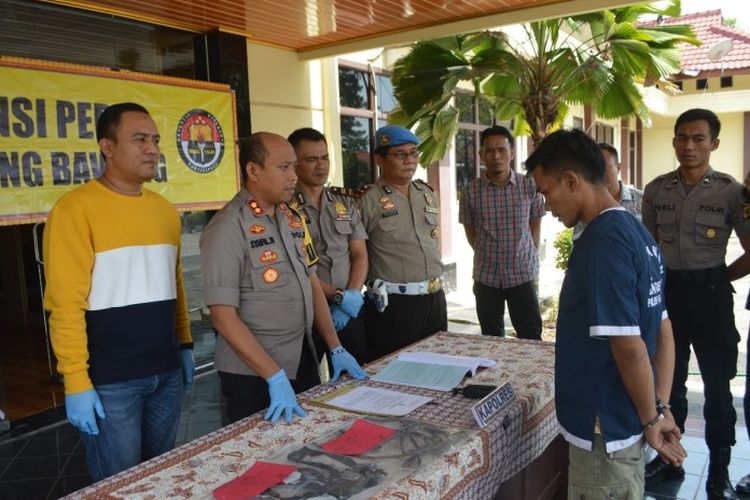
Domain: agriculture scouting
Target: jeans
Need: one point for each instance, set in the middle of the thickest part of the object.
(522, 303)
(141, 423)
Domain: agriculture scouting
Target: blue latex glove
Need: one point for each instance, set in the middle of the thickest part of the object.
(283, 399)
(339, 317)
(188, 367)
(80, 408)
(352, 302)
(343, 361)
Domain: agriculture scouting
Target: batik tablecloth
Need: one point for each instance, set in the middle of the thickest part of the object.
(472, 471)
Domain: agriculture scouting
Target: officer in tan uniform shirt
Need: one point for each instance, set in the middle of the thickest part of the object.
(259, 279)
(405, 301)
(691, 212)
(338, 236)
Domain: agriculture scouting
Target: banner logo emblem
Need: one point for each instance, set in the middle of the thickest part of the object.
(200, 141)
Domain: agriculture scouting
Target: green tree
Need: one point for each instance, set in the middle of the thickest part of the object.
(602, 59)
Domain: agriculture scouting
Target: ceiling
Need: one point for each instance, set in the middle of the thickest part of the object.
(326, 27)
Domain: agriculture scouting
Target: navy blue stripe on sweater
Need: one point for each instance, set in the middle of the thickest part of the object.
(131, 342)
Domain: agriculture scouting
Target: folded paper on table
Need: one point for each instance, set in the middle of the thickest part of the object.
(360, 438)
(472, 363)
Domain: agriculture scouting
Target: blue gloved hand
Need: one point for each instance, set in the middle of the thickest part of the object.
(339, 317)
(343, 361)
(188, 368)
(283, 398)
(80, 408)
(352, 303)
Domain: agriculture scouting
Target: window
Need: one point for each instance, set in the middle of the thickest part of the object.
(726, 81)
(366, 98)
(701, 84)
(604, 133)
(474, 115)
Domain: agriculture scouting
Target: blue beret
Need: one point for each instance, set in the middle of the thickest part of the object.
(393, 135)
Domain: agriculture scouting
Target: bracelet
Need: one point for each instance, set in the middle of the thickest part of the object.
(659, 418)
(337, 350)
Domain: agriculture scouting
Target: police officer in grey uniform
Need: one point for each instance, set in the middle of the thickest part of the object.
(405, 301)
(691, 212)
(259, 279)
(338, 236)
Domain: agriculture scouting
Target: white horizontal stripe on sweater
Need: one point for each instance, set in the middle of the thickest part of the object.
(133, 275)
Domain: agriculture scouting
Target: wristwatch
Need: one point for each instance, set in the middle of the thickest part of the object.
(338, 297)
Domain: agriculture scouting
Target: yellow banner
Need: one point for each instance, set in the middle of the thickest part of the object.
(48, 114)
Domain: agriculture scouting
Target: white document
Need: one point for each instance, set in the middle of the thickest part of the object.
(471, 363)
(365, 399)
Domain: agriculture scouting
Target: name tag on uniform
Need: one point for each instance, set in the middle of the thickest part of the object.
(486, 410)
(431, 210)
(343, 217)
(390, 213)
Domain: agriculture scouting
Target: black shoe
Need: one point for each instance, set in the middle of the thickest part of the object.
(720, 489)
(743, 485)
(718, 485)
(656, 469)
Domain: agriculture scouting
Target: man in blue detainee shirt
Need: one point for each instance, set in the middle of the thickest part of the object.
(614, 353)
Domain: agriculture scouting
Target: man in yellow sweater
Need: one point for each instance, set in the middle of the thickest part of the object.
(118, 313)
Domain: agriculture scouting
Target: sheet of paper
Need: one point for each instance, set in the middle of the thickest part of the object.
(256, 480)
(427, 375)
(361, 437)
(471, 363)
(378, 401)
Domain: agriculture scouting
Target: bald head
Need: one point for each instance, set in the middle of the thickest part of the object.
(256, 149)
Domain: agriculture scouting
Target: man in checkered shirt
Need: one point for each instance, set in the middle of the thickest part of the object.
(502, 213)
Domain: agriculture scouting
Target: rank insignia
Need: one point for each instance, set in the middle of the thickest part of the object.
(340, 208)
(711, 233)
(268, 256)
(434, 233)
(270, 275)
(295, 224)
(428, 198)
(257, 229)
(255, 208)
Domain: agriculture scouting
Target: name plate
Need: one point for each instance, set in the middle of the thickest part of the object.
(493, 404)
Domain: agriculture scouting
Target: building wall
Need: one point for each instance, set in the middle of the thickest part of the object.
(659, 157)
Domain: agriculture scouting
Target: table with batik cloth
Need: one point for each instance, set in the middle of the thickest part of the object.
(474, 470)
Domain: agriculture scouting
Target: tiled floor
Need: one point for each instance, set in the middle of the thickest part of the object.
(50, 463)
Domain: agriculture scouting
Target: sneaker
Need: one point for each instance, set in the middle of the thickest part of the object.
(657, 469)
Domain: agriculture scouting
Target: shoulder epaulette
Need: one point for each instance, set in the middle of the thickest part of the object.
(425, 184)
(360, 191)
(724, 176)
(343, 191)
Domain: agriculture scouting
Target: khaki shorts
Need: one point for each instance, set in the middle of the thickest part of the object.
(598, 475)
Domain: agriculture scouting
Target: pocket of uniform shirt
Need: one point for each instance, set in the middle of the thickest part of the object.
(388, 224)
(343, 226)
(269, 269)
(710, 229)
(665, 225)
(432, 219)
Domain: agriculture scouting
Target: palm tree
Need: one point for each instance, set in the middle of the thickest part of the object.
(603, 59)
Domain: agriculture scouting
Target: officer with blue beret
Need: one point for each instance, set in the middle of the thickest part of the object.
(405, 300)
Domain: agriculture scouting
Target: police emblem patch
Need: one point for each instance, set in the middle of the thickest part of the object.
(268, 256)
(270, 275)
(200, 141)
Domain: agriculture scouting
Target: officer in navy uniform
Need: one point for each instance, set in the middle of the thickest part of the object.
(259, 280)
(338, 236)
(691, 212)
(405, 301)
